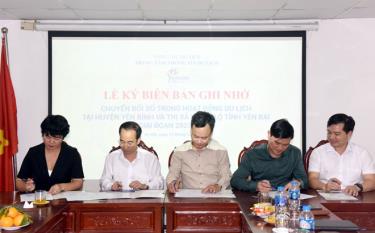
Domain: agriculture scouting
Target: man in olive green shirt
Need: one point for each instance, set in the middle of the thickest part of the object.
(273, 164)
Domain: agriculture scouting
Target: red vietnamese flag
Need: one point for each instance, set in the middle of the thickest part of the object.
(8, 125)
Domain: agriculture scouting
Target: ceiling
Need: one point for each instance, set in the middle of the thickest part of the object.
(201, 10)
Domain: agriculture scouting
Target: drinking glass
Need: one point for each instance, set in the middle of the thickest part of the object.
(40, 197)
(294, 220)
(264, 197)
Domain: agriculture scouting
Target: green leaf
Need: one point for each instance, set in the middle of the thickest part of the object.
(4, 210)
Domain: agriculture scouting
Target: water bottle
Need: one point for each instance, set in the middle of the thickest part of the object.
(294, 205)
(281, 205)
(281, 199)
(306, 219)
(294, 197)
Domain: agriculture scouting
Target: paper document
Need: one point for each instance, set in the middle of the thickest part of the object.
(31, 197)
(80, 196)
(88, 196)
(302, 196)
(197, 193)
(337, 196)
(151, 194)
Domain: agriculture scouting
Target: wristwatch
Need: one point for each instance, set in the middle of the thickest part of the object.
(360, 186)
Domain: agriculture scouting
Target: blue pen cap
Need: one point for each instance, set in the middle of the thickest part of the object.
(306, 208)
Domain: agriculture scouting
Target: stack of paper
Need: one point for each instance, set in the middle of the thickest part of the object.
(337, 196)
(197, 193)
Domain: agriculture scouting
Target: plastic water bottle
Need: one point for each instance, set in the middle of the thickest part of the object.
(306, 219)
(294, 205)
(281, 205)
(281, 199)
(294, 197)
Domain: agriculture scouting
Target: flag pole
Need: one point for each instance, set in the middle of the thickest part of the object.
(4, 31)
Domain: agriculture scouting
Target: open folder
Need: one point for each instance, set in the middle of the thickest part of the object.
(335, 225)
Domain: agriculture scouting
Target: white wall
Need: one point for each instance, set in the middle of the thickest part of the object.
(340, 76)
(28, 62)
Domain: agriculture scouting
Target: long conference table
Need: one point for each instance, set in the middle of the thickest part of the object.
(178, 215)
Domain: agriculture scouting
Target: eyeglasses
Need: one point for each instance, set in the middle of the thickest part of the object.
(56, 137)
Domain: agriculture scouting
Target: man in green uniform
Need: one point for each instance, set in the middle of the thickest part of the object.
(273, 164)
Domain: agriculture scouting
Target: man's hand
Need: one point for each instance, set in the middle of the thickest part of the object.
(136, 185)
(116, 186)
(289, 185)
(55, 189)
(332, 184)
(212, 188)
(352, 190)
(264, 186)
(173, 186)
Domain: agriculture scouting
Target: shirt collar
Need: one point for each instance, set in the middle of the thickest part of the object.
(209, 145)
(134, 161)
(349, 148)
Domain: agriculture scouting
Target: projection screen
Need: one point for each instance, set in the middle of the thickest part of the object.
(246, 80)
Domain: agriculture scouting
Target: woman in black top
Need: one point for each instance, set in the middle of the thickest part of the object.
(52, 165)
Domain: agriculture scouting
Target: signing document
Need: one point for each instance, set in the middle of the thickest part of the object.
(88, 196)
(197, 193)
(337, 196)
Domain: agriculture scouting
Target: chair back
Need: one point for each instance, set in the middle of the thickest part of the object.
(171, 154)
(141, 145)
(306, 158)
(247, 149)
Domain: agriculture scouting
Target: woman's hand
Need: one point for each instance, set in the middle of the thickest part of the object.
(29, 185)
(55, 189)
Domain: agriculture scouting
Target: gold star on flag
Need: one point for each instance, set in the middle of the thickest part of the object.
(3, 142)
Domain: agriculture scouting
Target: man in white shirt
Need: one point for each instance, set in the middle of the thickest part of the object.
(131, 167)
(340, 164)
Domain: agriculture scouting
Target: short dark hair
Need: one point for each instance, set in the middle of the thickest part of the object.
(55, 125)
(282, 129)
(201, 119)
(338, 118)
(131, 125)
